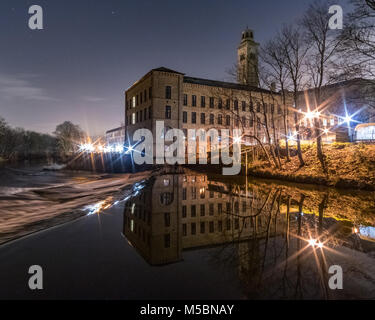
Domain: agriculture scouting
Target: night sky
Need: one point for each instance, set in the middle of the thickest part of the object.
(91, 51)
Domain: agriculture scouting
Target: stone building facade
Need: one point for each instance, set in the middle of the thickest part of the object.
(184, 102)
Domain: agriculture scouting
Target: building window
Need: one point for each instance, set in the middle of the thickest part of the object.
(219, 208)
(212, 102)
(203, 118)
(184, 230)
(145, 95)
(150, 112)
(145, 114)
(193, 193)
(203, 101)
(220, 225)
(167, 240)
(193, 117)
(184, 117)
(184, 194)
(228, 208)
(227, 105)
(265, 107)
(150, 93)
(279, 110)
(228, 224)
(194, 100)
(212, 118)
(211, 227)
(211, 209)
(236, 224)
(203, 229)
(236, 105)
(168, 92)
(168, 112)
(203, 210)
(193, 211)
(272, 108)
(258, 106)
(136, 100)
(133, 105)
(251, 107)
(140, 116)
(332, 121)
(227, 120)
(167, 219)
(133, 118)
(184, 211)
(141, 97)
(244, 122)
(185, 99)
(193, 228)
(243, 106)
(219, 119)
(136, 117)
(220, 104)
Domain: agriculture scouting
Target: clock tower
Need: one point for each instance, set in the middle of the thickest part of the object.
(247, 64)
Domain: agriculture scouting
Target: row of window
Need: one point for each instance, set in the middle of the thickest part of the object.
(139, 116)
(220, 119)
(228, 104)
(211, 209)
(139, 99)
(220, 226)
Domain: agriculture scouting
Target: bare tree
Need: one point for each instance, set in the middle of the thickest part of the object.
(69, 136)
(294, 50)
(324, 47)
(273, 57)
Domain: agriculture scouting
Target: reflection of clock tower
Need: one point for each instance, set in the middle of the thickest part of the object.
(247, 64)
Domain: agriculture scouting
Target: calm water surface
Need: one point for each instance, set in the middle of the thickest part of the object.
(197, 236)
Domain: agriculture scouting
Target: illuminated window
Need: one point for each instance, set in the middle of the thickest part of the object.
(133, 104)
(133, 118)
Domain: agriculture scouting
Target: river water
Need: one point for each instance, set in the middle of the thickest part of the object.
(188, 235)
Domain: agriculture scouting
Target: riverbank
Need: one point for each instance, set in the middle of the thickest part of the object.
(350, 166)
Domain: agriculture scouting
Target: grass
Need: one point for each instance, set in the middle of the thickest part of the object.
(349, 166)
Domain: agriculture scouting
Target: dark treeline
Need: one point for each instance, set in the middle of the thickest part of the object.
(20, 144)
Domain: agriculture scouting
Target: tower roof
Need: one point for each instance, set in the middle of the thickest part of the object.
(247, 34)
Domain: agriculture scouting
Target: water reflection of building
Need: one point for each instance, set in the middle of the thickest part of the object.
(178, 212)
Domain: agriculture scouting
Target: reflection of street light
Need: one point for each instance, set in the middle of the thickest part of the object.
(310, 115)
(320, 245)
(326, 131)
(312, 242)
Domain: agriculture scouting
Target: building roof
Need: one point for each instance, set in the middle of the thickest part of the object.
(206, 82)
(222, 84)
(364, 125)
(115, 129)
(354, 81)
(163, 69)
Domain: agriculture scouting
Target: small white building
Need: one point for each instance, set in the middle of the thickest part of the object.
(365, 131)
(115, 136)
